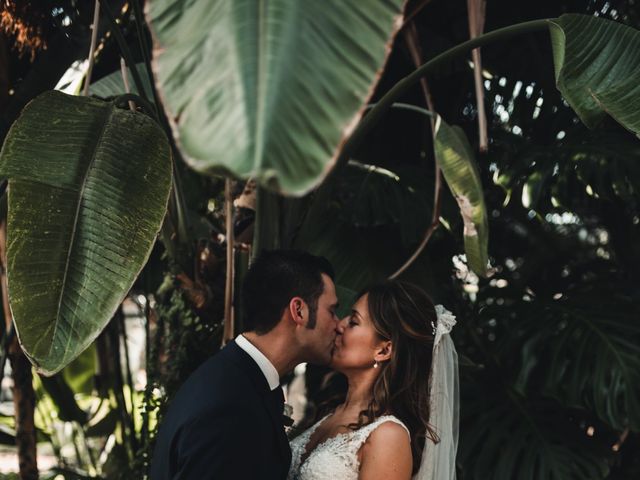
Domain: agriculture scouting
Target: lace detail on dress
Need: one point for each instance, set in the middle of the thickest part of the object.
(334, 458)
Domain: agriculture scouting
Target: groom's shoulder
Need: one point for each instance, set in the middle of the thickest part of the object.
(216, 401)
(219, 380)
(214, 391)
(224, 366)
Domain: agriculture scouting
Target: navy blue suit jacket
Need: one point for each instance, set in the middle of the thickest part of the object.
(223, 424)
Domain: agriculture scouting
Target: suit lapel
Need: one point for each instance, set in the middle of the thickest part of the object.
(250, 367)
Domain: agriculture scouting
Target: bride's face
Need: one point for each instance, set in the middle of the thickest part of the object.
(357, 345)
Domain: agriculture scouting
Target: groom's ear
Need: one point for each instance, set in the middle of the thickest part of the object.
(298, 310)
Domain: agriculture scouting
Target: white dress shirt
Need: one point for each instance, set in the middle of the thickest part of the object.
(267, 368)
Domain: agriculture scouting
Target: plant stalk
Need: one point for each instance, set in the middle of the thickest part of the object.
(92, 48)
(125, 80)
(144, 46)
(129, 377)
(228, 292)
(413, 42)
(404, 85)
(126, 53)
(410, 16)
(136, 99)
(435, 217)
(476, 15)
(268, 222)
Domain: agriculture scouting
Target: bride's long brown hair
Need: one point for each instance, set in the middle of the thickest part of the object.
(404, 314)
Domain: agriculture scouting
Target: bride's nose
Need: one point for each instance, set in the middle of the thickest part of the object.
(342, 324)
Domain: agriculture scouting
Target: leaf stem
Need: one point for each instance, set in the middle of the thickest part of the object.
(267, 229)
(228, 292)
(120, 100)
(144, 47)
(410, 16)
(125, 80)
(435, 218)
(407, 106)
(126, 53)
(410, 80)
(92, 48)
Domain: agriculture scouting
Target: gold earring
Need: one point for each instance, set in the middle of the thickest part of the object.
(375, 364)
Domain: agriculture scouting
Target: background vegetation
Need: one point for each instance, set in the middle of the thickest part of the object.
(550, 342)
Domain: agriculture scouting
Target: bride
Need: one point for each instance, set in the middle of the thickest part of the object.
(399, 419)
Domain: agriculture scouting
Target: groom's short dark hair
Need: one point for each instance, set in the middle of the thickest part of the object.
(274, 278)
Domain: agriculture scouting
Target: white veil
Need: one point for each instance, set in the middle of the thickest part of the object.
(439, 460)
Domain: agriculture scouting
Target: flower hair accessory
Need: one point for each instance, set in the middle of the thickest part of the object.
(445, 322)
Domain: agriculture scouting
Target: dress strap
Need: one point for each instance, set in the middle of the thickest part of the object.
(360, 436)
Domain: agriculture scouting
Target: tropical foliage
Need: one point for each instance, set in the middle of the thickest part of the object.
(549, 341)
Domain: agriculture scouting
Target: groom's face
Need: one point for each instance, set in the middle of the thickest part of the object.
(319, 339)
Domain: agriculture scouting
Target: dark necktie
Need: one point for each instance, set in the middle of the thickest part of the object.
(277, 399)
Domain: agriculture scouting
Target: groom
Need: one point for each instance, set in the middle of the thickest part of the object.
(226, 421)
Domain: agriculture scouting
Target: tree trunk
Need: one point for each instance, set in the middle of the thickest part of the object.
(24, 399)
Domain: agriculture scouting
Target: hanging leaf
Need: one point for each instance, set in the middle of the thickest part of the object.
(268, 90)
(88, 189)
(597, 65)
(533, 188)
(455, 157)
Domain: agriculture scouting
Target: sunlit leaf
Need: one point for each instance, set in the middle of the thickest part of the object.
(457, 162)
(533, 189)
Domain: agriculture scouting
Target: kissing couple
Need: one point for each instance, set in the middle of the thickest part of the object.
(399, 419)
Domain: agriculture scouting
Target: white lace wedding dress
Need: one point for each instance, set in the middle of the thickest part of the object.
(336, 458)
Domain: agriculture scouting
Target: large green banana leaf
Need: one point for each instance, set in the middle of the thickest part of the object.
(597, 65)
(88, 189)
(456, 160)
(268, 90)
